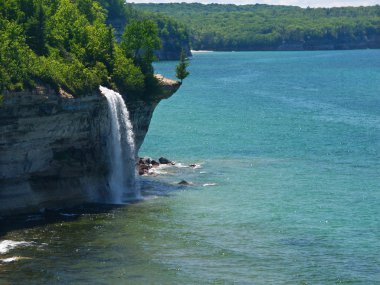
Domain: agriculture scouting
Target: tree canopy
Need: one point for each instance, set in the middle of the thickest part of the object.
(173, 35)
(68, 44)
(140, 40)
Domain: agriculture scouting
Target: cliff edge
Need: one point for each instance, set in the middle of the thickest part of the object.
(52, 145)
(141, 111)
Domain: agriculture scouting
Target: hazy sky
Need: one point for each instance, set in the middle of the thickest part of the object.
(302, 3)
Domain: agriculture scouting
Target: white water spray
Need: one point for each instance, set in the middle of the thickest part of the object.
(121, 148)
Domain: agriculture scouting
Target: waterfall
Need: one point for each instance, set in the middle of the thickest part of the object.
(121, 150)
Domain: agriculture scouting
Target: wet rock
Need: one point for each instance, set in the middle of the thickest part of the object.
(145, 160)
(143, 170)
(184, 183)
(155, 163)
(193, 165)
(164, 160)
(143, 166)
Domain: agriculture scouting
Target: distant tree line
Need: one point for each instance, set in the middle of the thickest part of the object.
(266, 27)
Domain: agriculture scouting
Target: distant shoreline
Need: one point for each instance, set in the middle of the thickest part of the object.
(201, 51)
(280, 50)
(264, 27)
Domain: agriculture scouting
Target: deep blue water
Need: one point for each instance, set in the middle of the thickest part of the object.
(288, 191)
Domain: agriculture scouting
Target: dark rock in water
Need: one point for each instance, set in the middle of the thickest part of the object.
(144, 165)
(143, 169)
(164, 160)
(145, 160)
(184, 183)
(192, 165)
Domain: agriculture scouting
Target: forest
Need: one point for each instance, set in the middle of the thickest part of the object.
(267, 27)
(73, 45)
(79, 45)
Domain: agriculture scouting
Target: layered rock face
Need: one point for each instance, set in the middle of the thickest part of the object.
(53, 146)
(141, 111)
(50, 148)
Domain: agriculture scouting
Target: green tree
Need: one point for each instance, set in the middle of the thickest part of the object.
(126, 75)
(16, 59)
(68, 44)
(181, 68)
(36, 31)
(139, 41)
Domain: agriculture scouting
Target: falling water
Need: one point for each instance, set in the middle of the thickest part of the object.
(121, 148)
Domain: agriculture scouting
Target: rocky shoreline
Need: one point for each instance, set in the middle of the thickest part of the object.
(144, 165)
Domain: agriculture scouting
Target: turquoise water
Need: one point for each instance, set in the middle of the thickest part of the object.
(288, 191)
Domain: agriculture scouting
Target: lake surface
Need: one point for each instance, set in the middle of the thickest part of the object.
(287, 192)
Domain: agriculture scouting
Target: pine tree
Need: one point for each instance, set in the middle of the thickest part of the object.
(181, 68)
(36, 31)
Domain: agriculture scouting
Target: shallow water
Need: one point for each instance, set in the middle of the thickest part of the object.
(287, 192)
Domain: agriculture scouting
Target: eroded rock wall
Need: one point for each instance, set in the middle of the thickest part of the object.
(141, 111)
(53, 147)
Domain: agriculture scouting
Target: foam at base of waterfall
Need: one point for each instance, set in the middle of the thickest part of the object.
(8, 245)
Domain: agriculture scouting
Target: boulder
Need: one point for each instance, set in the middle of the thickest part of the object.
(143, 169)
(184, 183)
(164, 160)
(145, 160)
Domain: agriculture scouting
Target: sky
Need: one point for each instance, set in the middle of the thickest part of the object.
(301, 3)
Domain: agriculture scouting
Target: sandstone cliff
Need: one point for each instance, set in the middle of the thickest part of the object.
(52, 146)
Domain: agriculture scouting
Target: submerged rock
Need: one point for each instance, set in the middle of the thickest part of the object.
(164, 160)
(185, 183)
